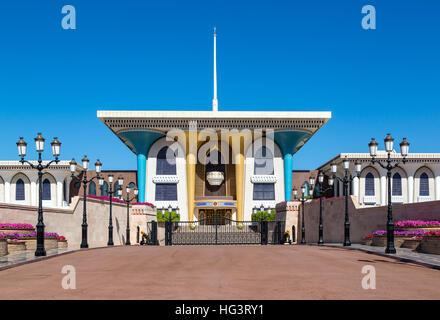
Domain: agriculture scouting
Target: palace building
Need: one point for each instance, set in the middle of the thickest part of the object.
(207, 162)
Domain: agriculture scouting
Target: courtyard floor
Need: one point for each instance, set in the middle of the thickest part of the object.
(220, 272)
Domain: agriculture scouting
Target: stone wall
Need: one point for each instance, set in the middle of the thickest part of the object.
(363, 220)
(67, 222)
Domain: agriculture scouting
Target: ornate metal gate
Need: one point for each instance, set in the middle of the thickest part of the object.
(220, 230)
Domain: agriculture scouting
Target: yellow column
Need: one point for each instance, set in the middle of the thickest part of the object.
(239, 177)
(191, 160)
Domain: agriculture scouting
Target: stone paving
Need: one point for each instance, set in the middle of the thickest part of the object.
(219, 272)
(401, 253)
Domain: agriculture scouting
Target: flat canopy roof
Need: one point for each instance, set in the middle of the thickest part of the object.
(194, 115)
(136, 127)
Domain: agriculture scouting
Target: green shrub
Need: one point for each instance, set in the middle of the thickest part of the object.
(165, 217)
(266, 215)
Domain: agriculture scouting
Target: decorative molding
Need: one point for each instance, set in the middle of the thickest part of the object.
(423, 198)
(263, 178)
(369, 200)
(159, 179)
(397, 199)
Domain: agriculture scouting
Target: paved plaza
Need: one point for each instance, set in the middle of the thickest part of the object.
(220, 272)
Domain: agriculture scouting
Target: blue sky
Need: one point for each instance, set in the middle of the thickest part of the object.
(272, 55)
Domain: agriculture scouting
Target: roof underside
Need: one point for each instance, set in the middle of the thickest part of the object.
(122, 122)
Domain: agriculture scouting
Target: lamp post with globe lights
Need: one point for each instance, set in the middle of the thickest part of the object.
(128, 200)
(85, 165)
(389, 166)
(346, 179)
(322, 191)
(39, 145)
(303, 201)
(111, 192)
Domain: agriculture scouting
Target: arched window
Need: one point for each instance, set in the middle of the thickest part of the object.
(397, 185)
(92, 189)
(164, 165)
(307, 193)
(263, 163)
(424, 185)
(104, 189)
(115, 189)
(46, 190)
(369, 184)
(19, 190)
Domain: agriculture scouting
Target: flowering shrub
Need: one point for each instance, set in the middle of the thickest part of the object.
(432, 233)
(23, 226)
(417, 224)
(368, 237)
(61, 238)
(33, 235)
(401, 233)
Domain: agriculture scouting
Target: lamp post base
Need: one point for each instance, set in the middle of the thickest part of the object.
(390, 250)
(40, 253)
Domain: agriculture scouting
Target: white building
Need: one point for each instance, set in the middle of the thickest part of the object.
(417, 180)
(19, 184)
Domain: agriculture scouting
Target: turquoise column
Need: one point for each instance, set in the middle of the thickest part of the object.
(289, 141)
(288, 166)
(140, 142)
(141, 175)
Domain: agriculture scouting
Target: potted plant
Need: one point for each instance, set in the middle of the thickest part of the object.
(50, 240)
(287, 237)
(431, 242)
(3, 246)
(62, 242)
(412, 243)
(368, 239)
(15, 245)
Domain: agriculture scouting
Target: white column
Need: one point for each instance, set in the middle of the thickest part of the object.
(383, 189)
(410, 188)
(7, 191)
(68, 190)
(33, 193)
(437, 186)
(355, 188)
(59, 193)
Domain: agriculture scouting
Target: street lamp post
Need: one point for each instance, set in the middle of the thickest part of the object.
(39, 144)
(85, 164)
(111, 192)
(303, 201)
(321, 191)
(404, 148)
(348, 178)
(128, 200)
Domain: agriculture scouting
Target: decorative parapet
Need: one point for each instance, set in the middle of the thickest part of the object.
(263, 179)
(166, 179)
(143, 210)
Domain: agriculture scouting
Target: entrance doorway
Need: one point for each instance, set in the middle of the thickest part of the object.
(215, 217)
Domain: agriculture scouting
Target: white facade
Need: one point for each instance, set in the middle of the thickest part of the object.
(417, 180)
(180, 179)
(19, 184)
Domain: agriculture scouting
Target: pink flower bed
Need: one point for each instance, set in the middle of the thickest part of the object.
(19, 236)
(417, 224)
(23, 226)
